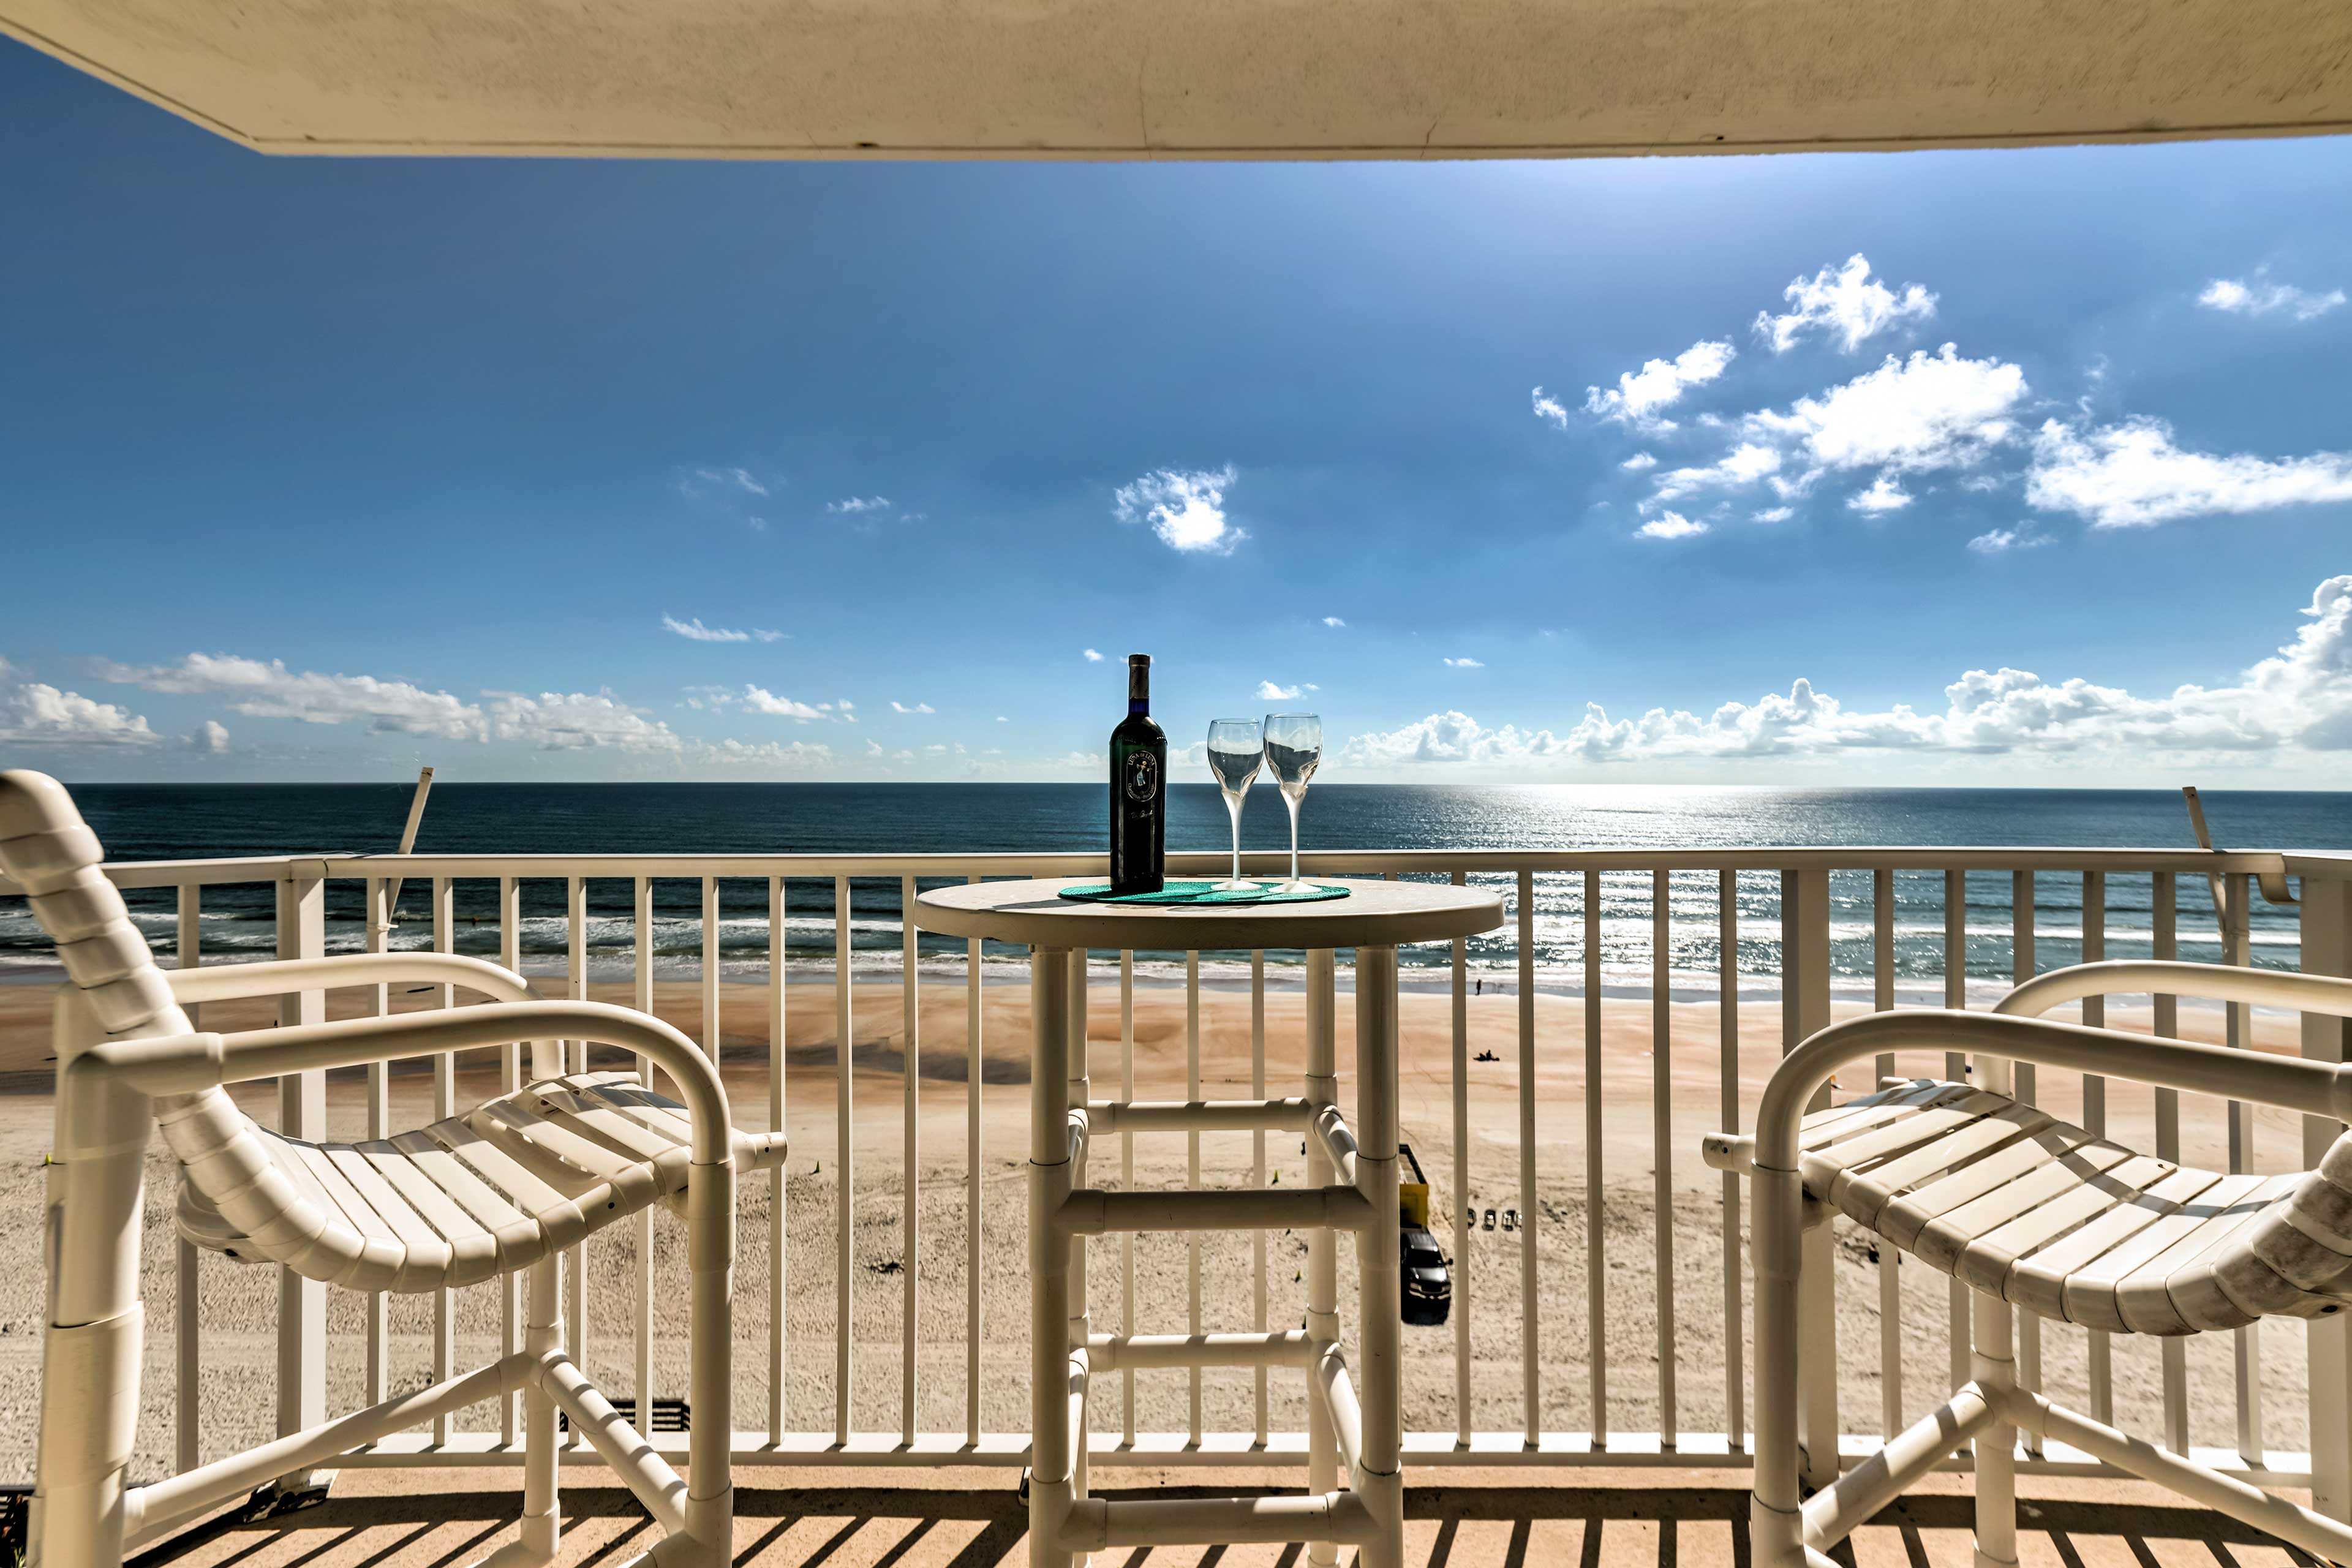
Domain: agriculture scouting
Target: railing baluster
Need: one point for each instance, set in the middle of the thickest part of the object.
(1257, 1168)
(1661, 1141)
(1127, 1182)
(301, 931)
(845, 1234)
(509, 1082)
(2095, 1122)
(1735, 1381)
(1192, 1173)
(2164, 933)
(576, 1269)
(714, 1006)
(1890, 1259)
(1531, 1348)
(778, 1055)
(974, 1077)
(641, 892)
(1956, 1071)
(1455, 1229)
(2247, 1342)
(1596, 1268)
(910, 1264)
(188, 1348)
(445, 1105)
(2023, 1080)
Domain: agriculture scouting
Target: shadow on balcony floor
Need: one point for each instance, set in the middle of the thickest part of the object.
(448, 1520)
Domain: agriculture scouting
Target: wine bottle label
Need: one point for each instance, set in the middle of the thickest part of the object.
(1143, 778)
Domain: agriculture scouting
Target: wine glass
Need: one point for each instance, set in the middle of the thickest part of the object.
(1236, 749)
(1294, 745)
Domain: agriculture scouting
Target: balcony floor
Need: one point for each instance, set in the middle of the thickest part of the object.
(971, 1518)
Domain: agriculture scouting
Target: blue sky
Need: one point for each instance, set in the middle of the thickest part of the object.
(316, 469)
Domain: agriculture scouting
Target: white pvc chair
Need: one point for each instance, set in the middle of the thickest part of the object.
(497, 1191)
(2032, 1212)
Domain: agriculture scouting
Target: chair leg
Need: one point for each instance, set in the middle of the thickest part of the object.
(711, 1253)
(542, 1511)
(1776, 1525)
(1992, 1364)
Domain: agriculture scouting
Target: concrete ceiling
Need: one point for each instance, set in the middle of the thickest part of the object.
(1207, 78)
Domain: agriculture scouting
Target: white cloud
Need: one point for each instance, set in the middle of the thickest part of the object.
(919, 708)
(853, 505)
(1882, 497)
(272, 691)
(2298, 698)
(1268, 691)
(695, 631)
(794, 756)
(2002, 540)
(1847, 303)
(576, 721)
(1638, 461)
(758, 699)
(1930, 411)
(1464, 664)
(1549, 408)
(2132, 474)
(1774, 514)
(1641, 394)
(703, 481)
(34, 713)
(1744, 464)
(1003, 719)
(1334, 622)
(1670, 525)
(1093, 658)
(210, 737)
(1185, 508)
(2259, 297)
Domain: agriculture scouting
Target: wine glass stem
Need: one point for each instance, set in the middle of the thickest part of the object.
(1233, 810)
(1292, 801)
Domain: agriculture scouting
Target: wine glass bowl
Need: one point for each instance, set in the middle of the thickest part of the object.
(1236, 751)
(1294, 748)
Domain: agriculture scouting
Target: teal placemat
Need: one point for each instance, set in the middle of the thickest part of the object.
(1200, 893)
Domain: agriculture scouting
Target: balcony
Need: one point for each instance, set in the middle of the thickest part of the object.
(1589, 1374)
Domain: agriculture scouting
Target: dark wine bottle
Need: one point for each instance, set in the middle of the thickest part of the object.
(1138, 790)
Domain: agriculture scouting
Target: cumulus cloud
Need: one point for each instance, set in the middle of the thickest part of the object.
(1774, 514)
(1093, 658)
(1670, 525)
(706, 481)
(2258, 296)
(919, 708)
(34, 713)
(1640, 396)
(2002, 540)
(1845, 303)
(794, 756)
(1334, 622)
(576, 721)
(695, 631)
(1882, 497)
(2300, 698)
(2133, 475)
(1638, 461)
(1930, 411)
(1743, 465)
(853, 505)
(759, 699)
(272, 691)
(1185, 508)
(1464, 664)
(210, 737)
(1547, 407)
(1268, 691)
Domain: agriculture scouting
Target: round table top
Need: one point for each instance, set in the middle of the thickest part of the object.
(1374, 914)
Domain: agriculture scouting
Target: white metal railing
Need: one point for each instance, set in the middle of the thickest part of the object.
(1588, 880)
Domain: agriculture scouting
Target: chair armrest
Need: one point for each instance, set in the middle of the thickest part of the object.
(234, 981)
(183, 1064)
(2316, 1088)
(2166, 977)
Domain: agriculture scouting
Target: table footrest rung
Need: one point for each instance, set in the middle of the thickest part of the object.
(1090, 1211)
(1105, 1116)
(1115, 1352)
(1096, 1524)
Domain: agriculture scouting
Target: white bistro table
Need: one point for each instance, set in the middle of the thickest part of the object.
(1351, 1186)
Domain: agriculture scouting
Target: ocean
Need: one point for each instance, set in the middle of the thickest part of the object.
(173, 822)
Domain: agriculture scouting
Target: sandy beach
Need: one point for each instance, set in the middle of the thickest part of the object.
(238, 1303)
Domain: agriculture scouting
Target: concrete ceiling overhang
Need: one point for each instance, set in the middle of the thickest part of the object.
(1207, 78)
